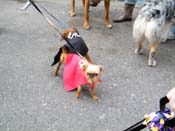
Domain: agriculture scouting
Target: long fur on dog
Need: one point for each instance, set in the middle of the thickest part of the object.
(152, 25)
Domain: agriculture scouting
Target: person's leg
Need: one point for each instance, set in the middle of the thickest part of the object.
(128, 10)
(172, 33)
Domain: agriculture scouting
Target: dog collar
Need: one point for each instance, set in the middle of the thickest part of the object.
(92, 85)
(100, 81)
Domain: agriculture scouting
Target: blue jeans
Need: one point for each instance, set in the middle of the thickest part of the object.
(130, 1)
(133, 2)
(172, 30)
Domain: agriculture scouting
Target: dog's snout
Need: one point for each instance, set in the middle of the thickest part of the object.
(94, 3)
(92, 75)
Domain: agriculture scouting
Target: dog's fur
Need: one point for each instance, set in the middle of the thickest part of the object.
(86, 5)
(93, 74)
(152, 24)
(91, 71)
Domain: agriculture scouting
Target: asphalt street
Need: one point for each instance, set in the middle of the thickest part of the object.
(32, 99)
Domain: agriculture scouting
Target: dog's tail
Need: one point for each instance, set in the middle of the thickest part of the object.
(57, 57)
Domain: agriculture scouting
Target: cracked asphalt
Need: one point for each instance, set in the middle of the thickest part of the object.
(32, 99)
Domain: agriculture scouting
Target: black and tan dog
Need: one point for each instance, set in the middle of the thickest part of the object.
(86, 5)
(65, 49)
(152, 24)
(77, 70)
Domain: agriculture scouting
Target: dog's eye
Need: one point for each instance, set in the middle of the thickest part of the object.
(92, 74)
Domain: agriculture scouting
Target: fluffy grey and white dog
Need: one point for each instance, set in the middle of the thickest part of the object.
(152, 24)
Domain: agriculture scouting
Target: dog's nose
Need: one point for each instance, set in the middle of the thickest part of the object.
(94, 3)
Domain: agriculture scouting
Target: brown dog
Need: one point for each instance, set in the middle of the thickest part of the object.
(93, 74)
(86, 4)
(64, 50)
(90, 72)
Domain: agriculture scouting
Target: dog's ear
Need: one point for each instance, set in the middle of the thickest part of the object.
(101, 68)
(83, 65)
(65, 34)
(67, 31)
(76, 30)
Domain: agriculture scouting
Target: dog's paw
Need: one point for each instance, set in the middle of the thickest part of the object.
(95, 98)
(55, 74)
(86, 27)
(72, 14)
(138, 51)
(78, 95)
(109, 26)
(152, 62)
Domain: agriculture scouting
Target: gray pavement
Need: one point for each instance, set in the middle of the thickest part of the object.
(32, 99)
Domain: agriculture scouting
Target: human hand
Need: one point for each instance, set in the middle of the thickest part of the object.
(171, 97)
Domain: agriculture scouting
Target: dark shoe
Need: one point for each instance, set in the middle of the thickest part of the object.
(128, 10)
(122, 19)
